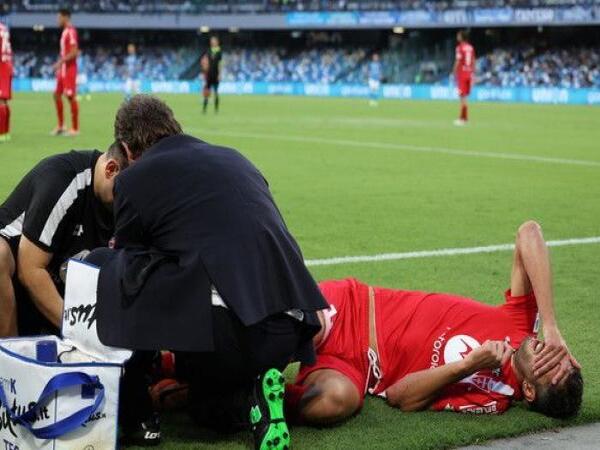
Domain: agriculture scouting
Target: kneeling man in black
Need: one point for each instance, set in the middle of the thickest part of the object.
(205, 266)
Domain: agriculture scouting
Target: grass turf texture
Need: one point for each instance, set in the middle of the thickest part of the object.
(346, 200)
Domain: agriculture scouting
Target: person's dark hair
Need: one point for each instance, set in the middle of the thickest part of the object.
(560, 401)
(65, 12)
(464, 34)
(142, 121)
(117, 152)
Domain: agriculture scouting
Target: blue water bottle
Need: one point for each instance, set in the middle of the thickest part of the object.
(46, 351)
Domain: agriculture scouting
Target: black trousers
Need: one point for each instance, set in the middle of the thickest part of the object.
(220, 381)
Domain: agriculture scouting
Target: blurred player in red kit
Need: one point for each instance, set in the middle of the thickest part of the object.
(6, 74)
(66, 75)
(464, 68)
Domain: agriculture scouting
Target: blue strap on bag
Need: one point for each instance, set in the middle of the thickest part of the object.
(70, 423)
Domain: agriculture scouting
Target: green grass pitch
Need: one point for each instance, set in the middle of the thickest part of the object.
(349, 183)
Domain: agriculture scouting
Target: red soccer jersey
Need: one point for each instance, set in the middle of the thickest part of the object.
(5, 47)
(419, 330)
(68, 42)
(465, 56)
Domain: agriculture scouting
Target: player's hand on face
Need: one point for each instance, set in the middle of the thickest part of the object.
(490, 355)
(553, 353)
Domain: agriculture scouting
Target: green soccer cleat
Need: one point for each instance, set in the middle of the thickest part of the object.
(266, 413)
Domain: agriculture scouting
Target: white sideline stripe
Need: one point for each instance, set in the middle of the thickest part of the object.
(441, 252)
(404, 147)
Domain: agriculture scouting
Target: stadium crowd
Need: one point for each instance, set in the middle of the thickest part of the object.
(506, 67)
(156, 63)
(265, 6)
(565, 67)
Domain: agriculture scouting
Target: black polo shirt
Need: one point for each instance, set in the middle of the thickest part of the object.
(55, 207)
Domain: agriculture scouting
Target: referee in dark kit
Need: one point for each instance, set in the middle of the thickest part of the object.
(62, 207)
(211, 70)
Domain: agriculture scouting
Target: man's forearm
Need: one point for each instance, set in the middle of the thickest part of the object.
(536, 261)
(416, 391)
(68, 57)
(44, 294)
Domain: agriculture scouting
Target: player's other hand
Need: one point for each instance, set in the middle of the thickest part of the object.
(555, 352)
(490, 355)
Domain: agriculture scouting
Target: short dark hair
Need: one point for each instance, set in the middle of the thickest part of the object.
(65, 12)
(560, 401)
(464, 34)
(142, 121)
(117, 152)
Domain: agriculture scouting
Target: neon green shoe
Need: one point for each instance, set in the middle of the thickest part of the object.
(4, 137)
(266, 413)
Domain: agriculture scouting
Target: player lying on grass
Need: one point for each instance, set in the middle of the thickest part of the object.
(438, 351)
(61, 207)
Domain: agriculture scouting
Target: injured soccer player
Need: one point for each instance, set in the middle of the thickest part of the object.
(442, 352)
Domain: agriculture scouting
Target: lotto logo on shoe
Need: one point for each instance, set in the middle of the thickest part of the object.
(152, 435)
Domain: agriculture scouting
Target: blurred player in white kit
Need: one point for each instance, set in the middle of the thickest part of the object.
(131, 65)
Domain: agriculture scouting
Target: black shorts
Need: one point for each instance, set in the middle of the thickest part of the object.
(30, 321)
(211, 83)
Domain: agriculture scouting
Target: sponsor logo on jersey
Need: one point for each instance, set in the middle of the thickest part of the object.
(457, 348)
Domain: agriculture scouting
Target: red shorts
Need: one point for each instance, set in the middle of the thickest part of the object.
(345, 349)
(463, 83)
(6, 75)
(66, 84)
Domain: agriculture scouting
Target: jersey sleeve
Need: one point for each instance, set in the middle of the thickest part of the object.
(52, 193)
(460, 398)
(73, 40)
(522, 310)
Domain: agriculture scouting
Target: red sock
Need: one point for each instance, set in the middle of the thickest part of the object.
(293, 396)
(74, 113)
(3, 114)
(59, 111)
(7, 118)
(464, 113)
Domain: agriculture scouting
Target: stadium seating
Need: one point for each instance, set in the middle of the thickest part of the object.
(506, 67)
(266, 6)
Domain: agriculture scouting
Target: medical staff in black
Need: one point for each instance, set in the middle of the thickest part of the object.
(204, 266)
(61, 207)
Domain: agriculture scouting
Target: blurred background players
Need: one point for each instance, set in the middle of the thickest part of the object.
(464, 66)
(374, 79)
(211, 69)
(66, 75)
(6, 74)
(131, 67)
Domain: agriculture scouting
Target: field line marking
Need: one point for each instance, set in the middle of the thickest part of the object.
(404, 147)
(441, 252)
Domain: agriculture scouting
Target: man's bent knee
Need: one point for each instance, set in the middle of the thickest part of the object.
(339, 399)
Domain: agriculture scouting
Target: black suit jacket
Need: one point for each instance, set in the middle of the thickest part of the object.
(190, 215)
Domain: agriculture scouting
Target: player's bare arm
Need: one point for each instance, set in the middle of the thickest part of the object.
(532, 271)
(68, 57)
(33, 273)
(8, 307)
(416, 391)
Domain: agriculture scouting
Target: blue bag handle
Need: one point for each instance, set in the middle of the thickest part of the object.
(63, 426)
